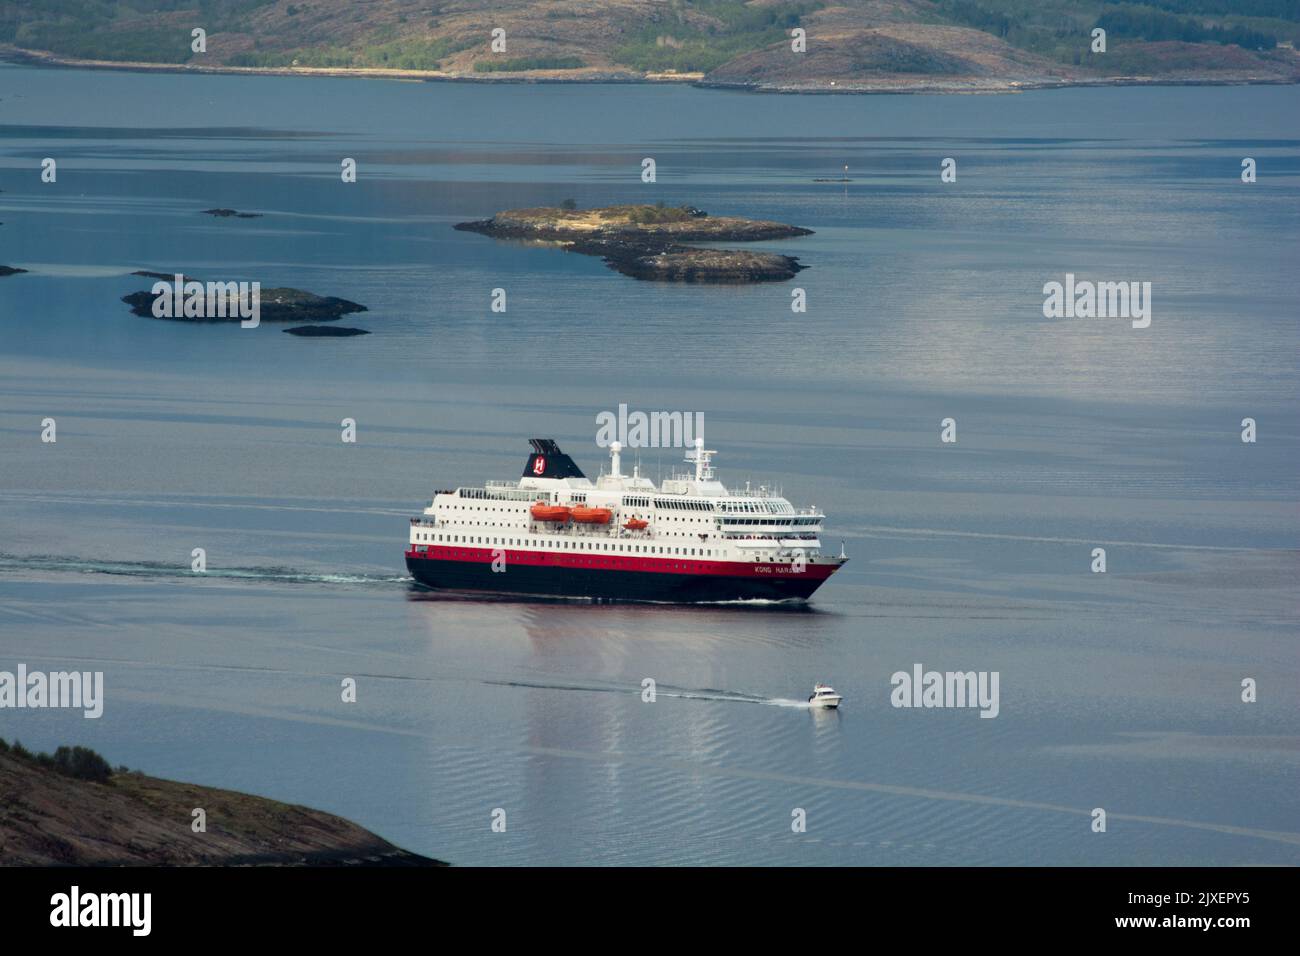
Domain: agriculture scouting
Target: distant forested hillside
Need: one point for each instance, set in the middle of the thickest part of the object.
(1019, 42)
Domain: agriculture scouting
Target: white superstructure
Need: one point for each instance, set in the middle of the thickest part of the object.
(690, 515)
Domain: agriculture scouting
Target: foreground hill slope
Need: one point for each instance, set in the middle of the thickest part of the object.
(51, 818)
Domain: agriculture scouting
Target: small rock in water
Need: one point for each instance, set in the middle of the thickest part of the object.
(324, 331)
(227, 213)
(276, 304)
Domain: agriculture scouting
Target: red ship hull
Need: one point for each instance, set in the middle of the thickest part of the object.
(610, 577)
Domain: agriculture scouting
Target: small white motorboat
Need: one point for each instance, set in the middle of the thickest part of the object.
(824, 695)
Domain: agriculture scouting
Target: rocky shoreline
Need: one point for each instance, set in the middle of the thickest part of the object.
(898, 85)
(649, 242)
(669, 262)
(71, 809)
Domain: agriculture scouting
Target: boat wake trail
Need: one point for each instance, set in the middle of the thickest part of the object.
(736, 698)
(10, 563)
(675, 693)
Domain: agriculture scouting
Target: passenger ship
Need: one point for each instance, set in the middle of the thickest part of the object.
(555, 532)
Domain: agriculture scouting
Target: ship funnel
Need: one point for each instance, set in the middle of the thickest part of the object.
(547, 461)
(614, 449)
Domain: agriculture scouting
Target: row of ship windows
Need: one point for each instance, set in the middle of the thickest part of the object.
(666, 518)
(576, 499)
(611, 562)
(682, 505)
(757, 507)
(608, 562)
(568, 545)
(661, 534)
(581, 498)
(780, 521)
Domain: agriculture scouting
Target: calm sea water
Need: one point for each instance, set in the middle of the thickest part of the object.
(1120, 691)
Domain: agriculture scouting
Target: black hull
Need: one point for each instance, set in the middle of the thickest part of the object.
(609, 584)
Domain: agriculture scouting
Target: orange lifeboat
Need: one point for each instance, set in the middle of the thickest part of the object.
(545, 512)
(636, 524)
(583, 515)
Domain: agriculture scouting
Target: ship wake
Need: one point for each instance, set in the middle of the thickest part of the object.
(672, 693)
(59, 564)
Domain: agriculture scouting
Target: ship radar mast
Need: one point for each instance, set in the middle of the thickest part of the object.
(702, 458)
